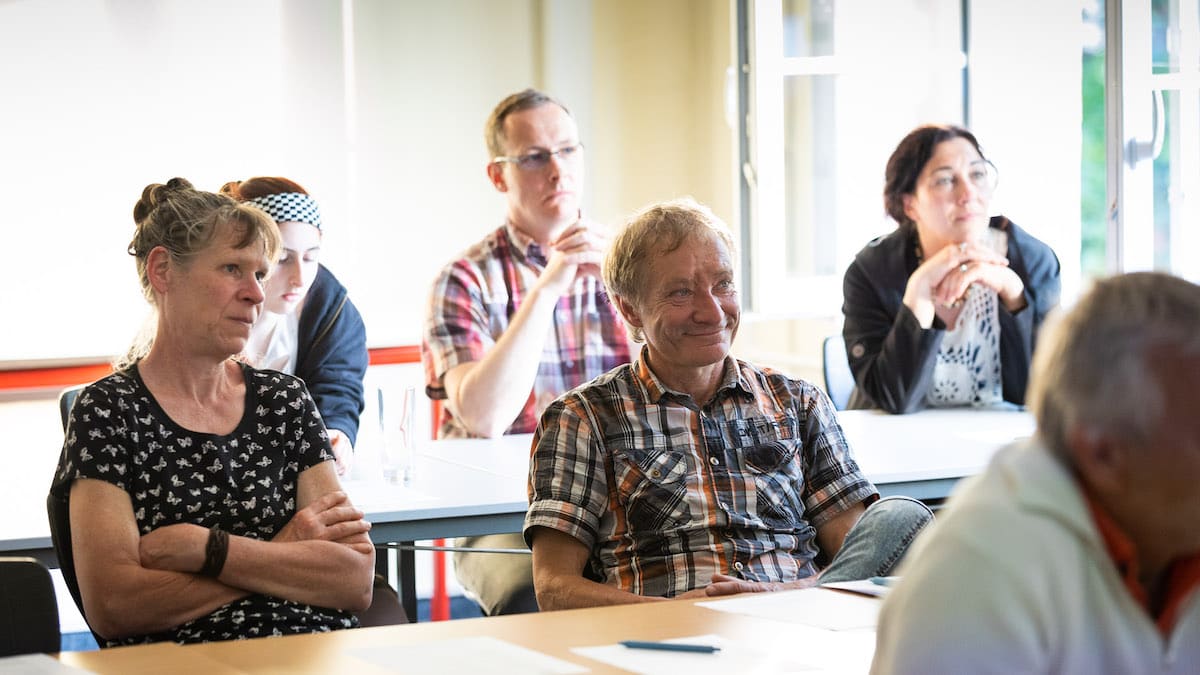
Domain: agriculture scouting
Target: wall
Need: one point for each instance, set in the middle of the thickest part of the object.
(659, 83)
(378, 106)
(427, 76)
(375, 106)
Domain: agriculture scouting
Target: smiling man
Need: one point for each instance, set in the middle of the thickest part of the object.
(689, 472)
(522, 316)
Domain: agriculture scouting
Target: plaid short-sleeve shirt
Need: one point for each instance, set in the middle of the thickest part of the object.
(474, 299)
(666, 493)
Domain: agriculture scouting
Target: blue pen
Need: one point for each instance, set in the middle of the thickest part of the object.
(670, 646)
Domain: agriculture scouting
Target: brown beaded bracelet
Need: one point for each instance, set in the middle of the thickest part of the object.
(215, 552)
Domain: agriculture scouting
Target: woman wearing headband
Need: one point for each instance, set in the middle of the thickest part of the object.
(309, 326)
(945, 310)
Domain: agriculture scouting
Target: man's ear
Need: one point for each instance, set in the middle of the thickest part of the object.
(159, 268)
(628, 311)
(495, 172)
(1100, 460)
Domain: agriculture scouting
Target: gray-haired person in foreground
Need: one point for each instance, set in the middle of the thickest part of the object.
(1077, 551)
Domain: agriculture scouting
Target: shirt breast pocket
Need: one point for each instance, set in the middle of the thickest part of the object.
(773, 460)
(652, 486)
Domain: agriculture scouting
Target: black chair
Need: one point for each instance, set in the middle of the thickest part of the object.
(28, 608)
(839, 381)
(386, 608)
(58, 511)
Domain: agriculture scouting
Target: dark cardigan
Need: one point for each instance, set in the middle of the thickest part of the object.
(332, 353)
(892, 357)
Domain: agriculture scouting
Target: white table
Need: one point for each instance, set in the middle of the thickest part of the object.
(444, 499)
(924, 454)
(471, 487)
(920, 455)
(448, 495)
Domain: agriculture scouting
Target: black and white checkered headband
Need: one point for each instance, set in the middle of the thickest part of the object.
(290, 206)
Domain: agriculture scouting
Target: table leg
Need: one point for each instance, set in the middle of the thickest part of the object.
(406, 579)
(381, 563)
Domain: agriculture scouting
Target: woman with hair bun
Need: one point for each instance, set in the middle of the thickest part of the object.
(202, 497)
(309, 327)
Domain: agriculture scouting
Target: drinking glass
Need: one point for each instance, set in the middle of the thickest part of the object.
(397, 416)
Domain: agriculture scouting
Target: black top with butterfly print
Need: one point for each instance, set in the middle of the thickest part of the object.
(244, 482)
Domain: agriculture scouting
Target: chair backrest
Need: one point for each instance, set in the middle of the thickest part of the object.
(386, 608)
(65, 400)
(28, 608)
(839, 381)
(58, 511)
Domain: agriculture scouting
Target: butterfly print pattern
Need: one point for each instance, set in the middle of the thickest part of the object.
(243, 482)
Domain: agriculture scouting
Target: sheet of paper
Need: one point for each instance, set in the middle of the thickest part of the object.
(863, 586)
(36, 664)
(812, 651)
(465, 655)
(811, 606)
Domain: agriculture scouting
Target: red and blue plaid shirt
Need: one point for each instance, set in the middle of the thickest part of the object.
(666, 493)
(474, 299)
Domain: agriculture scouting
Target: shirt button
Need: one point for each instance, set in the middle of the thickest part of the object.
(738, 566)
(656, 473)
(714, 461)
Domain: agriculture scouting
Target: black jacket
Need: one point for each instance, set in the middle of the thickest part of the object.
(332, 353)
(892, 357)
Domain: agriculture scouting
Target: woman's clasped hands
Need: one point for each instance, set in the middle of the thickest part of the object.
(939, 285)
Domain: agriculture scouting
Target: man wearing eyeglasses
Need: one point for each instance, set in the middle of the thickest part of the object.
(521, 316)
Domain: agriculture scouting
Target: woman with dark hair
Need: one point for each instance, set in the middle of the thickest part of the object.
(203, 501)
(945, 310)
(309, 327)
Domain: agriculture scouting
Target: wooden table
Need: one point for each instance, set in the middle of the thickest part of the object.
(552, 633)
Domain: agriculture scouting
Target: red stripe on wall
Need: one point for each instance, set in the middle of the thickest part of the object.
(67, 376)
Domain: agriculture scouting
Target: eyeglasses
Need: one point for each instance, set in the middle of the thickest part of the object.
(538, 159)
(982, 175)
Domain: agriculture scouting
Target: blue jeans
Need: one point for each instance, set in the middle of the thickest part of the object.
(878, 541)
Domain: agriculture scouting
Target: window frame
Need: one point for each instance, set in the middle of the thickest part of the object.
(763, 69)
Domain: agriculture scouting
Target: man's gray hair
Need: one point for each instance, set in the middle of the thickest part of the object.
(656, 230)
(1091, 369)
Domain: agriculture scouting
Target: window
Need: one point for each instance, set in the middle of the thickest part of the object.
(831, 88)
(1175, 41)
(1154, 135)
